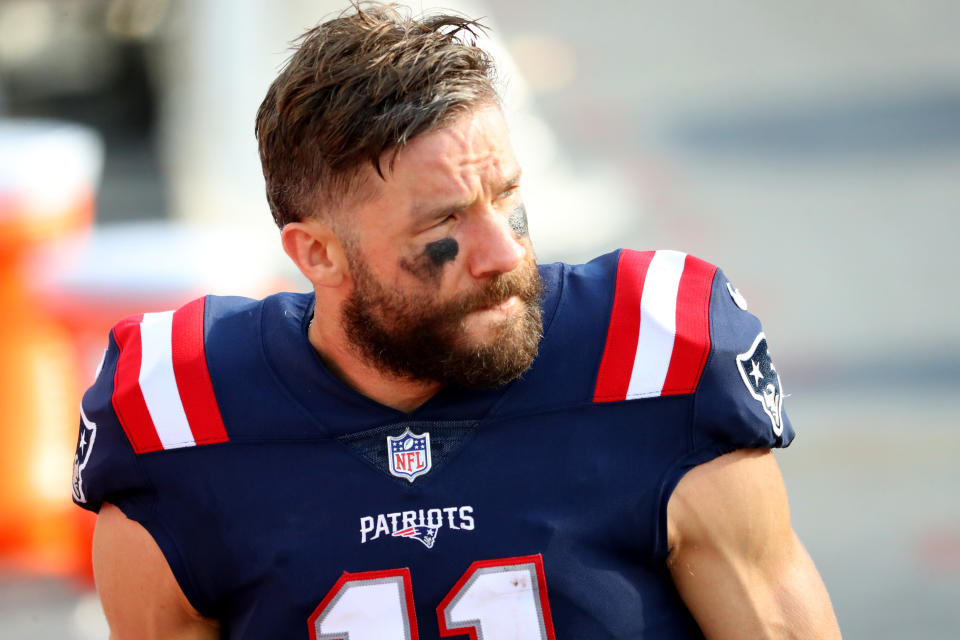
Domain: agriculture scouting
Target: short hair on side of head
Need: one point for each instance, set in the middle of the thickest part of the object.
(357, 86)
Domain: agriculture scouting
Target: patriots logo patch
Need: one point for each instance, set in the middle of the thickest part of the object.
(762, 380)
(426, 535)
(88, 434)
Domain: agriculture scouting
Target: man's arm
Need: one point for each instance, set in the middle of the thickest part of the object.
(735, 559)
(140, 596)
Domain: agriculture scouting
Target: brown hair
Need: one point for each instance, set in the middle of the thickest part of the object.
(355, 87)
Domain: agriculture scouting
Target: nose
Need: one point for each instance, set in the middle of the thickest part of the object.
(495, 248)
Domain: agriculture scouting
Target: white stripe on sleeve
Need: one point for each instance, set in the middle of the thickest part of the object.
(658, 324)
(158, 384)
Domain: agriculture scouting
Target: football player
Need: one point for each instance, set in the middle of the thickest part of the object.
(443, 438)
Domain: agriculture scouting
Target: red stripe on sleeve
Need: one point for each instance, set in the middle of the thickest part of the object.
(193, 377)
(128, 402)
(691, 346)
(616, 366)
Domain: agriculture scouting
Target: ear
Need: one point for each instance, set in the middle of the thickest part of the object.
(316, 250)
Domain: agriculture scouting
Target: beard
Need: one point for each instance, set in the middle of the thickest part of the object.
(413, 336)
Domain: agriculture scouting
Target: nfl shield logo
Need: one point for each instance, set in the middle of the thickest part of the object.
(409, 455)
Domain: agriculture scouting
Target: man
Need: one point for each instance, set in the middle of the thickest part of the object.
(442, 439)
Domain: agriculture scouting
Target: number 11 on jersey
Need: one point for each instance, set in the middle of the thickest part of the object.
(497, 600)
(493, 600)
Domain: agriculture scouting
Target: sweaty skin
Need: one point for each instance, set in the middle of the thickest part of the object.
(518, 221)
(428, 265)
(438, 253)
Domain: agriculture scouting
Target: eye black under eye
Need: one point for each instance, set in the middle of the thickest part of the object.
(442, 251)
(518, 221)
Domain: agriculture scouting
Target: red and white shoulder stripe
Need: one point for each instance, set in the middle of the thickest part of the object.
(162, 392)
(659, 333)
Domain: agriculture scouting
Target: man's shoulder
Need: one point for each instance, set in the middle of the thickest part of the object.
(182, 380)
(624, 308)
(233, 320)
(212, 314)
(627, 282)
(635, 325)
(638, 320)
(171, 375)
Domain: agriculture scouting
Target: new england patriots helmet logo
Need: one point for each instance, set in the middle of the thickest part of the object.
(88, 434)
(426, 535)
(408, 455)
(762, 380)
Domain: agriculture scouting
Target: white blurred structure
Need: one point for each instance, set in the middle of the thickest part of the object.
(47, 166)
(218, 60)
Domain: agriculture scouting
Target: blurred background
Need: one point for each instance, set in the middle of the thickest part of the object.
(810, 148)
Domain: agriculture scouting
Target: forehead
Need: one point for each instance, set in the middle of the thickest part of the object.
(473, 152)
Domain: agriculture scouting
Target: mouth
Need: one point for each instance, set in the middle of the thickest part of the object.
(493, 314)
(502, 307)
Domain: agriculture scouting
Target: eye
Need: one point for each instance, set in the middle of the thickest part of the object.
(440, 222)
(507, 193)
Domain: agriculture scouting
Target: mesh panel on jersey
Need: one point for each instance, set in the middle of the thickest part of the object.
(446, 439)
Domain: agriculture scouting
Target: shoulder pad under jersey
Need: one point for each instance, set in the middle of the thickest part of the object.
(152, 393)
(677, 326)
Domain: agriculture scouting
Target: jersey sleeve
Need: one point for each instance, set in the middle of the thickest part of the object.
(678, 327)
(151, 399)
(739, 399)
(105, 467)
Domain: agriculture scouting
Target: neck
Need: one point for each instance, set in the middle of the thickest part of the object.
(402, 394)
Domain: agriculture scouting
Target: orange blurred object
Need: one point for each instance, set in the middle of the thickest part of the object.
(47, 175)
(62, 286)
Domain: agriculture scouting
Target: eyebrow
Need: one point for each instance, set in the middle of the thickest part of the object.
(421, 214)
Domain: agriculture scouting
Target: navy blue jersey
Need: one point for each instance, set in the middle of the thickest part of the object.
(290, 506)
